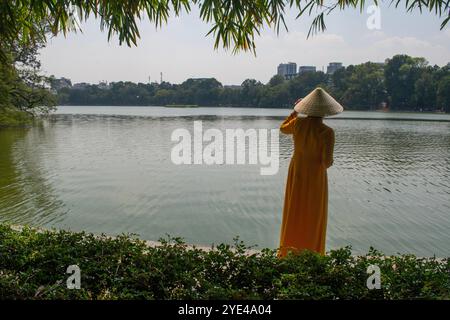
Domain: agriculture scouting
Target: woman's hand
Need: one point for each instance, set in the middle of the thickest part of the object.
(295, 103)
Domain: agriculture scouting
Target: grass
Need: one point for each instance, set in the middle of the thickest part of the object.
(33, 265)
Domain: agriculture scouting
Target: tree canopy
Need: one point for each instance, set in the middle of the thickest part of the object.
(22, 87)
(235, 23)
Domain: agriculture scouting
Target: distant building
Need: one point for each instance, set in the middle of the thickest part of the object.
(287, 70)
(333, 67)
(58, 84)
(303, 69)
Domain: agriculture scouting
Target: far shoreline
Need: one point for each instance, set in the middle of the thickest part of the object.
(182, 106)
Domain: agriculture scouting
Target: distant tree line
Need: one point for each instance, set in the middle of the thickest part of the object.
(401, 83)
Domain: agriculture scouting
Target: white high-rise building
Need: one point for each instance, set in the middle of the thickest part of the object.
(287, 70)
(333, 67)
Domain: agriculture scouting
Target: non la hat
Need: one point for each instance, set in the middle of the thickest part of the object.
(318, 103)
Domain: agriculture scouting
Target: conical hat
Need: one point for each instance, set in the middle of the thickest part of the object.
(318, 103)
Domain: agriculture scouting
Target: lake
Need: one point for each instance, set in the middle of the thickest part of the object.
(109, 169)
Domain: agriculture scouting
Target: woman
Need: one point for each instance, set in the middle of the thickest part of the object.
(306, 200)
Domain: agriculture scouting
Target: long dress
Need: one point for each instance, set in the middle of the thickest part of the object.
(306, 199)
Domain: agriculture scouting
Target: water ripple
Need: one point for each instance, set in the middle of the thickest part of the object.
(389, 186)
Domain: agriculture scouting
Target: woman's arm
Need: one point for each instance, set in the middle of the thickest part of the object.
(287, 127)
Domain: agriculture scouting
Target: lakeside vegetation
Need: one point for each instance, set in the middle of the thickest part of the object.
(403, 83)
(33, 265)
(24, 91)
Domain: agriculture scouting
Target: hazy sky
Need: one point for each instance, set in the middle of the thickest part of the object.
(180, 49)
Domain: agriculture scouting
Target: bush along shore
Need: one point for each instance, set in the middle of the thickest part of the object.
(12, 117)
(38, 264)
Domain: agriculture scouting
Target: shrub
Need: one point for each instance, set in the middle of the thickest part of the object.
(12, 117)
(33, 265)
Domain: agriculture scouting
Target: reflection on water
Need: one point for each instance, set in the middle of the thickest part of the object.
(389, 186)
(26, 189)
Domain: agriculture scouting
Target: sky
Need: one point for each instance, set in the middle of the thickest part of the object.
(181, 50)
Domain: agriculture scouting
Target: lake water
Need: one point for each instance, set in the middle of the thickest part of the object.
(108, 169)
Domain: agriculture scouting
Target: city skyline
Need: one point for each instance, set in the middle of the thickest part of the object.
(329, 69)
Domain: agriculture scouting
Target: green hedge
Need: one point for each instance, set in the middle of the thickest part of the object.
(33, 265)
